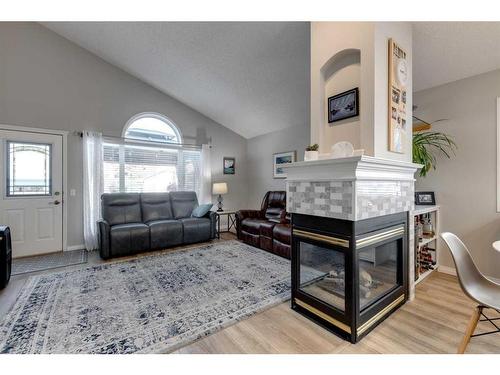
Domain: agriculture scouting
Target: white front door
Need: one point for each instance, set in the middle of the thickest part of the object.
(31, 191)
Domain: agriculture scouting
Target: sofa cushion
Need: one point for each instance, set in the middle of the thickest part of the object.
(276, 205)
(165, 233)
(252, 225)
(156, 206)
(183, 203)
(121, 208)
(283, 233)
(201, 210)
(266, 229)
(196, 229)
(129, 238)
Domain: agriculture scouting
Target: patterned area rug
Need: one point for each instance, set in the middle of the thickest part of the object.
(151, 304)
(48, 261)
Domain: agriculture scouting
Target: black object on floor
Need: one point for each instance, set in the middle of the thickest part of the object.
(5, 256)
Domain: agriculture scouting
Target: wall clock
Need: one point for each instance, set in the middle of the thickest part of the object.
(402, 73)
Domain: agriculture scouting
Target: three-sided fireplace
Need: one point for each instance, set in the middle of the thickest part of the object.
(349, 275)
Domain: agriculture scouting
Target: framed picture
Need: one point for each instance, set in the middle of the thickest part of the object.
(398, 79)
(425, 198)
(279, 159)
(343, 105)
(229, 165)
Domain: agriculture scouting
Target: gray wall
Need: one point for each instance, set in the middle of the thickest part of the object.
(48, 82)
(260, 149)
(465, 185)
(260, 152)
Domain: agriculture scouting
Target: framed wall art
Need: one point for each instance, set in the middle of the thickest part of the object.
(425, 198)
(282, 158)
(229, 165)
(398, 80)
(344, 105)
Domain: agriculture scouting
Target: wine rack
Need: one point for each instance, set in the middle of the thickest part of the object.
(426, 227)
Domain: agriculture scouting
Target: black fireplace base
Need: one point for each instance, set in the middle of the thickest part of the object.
(325, 321)
(349, 276)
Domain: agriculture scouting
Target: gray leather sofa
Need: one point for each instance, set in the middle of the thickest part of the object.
(133, 223)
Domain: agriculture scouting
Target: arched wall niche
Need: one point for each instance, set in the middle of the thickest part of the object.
(340, 73)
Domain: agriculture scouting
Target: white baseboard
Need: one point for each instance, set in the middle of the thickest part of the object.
(447, 270)
(75, 247)
(452, 271)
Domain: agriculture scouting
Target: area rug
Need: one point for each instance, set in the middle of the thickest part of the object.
(48, 261)
(151, 304)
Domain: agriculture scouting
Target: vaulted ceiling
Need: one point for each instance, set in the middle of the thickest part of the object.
(251, 77)
(448, 51)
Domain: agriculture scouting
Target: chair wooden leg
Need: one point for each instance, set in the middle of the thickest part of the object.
(471, 327)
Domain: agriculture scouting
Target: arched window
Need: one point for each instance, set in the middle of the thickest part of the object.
(136, 164)
(153, 127)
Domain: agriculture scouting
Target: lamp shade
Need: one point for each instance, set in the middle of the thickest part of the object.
(219, 188)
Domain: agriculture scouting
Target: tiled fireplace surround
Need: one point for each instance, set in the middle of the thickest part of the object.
(354, 188)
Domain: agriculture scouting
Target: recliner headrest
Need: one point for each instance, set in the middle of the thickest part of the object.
(120, 199)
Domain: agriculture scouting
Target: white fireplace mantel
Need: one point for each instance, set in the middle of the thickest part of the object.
(353, 188)
(351, 168)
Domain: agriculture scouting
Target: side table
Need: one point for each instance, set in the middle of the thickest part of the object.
(231, 220)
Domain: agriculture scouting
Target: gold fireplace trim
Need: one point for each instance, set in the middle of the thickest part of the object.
(374, 319)
(320, 237)
(366, 241)
(321, 314)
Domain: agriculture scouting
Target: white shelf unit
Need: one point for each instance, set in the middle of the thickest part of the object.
(432, 242)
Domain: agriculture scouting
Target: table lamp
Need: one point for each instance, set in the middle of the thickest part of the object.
(219, 188)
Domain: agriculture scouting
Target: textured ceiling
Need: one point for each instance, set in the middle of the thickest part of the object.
(448, 51)
(253, 78)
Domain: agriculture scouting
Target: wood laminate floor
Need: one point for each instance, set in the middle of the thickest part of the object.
(432, 323)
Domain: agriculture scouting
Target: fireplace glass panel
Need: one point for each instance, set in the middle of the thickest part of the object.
(322, 274)
(378, 267)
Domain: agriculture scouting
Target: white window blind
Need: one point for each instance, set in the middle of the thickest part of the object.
(136, 167)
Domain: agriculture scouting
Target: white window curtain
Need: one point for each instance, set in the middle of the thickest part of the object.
(206, 176)
(92, 186)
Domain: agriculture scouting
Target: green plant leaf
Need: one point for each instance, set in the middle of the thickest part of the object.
(425, 147)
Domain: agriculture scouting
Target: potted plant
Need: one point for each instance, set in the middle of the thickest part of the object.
(312, 152)
(425, 144)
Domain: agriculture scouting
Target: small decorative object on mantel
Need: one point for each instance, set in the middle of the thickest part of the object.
(279, 159)
(311, 152)
(343, 106)
(229, 165)
(342, 150)
(425, 198)
(398, 78)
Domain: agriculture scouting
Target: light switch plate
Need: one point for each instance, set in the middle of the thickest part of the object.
(72, 192)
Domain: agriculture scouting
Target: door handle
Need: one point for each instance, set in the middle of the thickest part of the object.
(56, 202)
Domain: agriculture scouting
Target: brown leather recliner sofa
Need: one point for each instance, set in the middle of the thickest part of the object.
(268, 228)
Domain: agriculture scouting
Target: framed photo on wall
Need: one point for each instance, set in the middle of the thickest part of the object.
(425, 198)
(229, 165)
(279, 160)
(344, 105)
